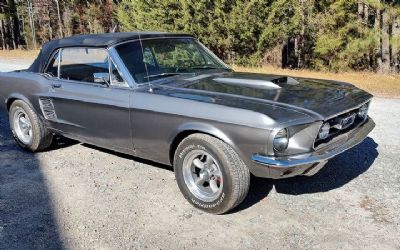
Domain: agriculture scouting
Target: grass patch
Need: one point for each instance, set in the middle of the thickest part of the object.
(377, 84)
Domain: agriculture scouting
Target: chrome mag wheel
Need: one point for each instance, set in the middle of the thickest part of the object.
(23, 126)
(202, 175)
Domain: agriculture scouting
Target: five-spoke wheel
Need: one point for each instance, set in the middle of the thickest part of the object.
(202, 175)
(210, 174)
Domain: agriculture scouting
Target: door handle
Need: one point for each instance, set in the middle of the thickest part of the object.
(56, 85)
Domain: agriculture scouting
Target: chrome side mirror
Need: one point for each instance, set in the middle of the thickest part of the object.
(102, 77)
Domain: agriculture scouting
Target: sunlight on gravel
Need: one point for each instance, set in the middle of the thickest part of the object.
(82, 197)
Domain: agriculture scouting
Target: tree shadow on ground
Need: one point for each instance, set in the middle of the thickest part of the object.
(27, 218)
(338, 172)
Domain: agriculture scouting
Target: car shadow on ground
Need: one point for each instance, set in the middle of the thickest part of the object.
(338, 172)
(60, 142)
(27, 218)
(130, 157)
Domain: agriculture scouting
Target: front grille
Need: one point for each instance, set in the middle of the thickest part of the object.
(340, 125)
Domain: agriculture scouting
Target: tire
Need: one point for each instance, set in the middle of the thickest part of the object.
(39, 139)
(219, 195)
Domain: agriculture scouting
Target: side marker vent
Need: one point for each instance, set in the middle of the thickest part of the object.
(47, 107)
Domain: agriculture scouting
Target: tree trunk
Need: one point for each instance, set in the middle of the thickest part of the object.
(60, 26)
(395, 47)
(6, 26)
(3, 40)
(14, 23)
(366, 14)
(49, 24)
(32, 24)
(360, 10)
(385, 43)
(378, 50)
(12, 33)
(300, 40)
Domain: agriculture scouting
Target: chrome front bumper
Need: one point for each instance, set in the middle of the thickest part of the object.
(310, 163)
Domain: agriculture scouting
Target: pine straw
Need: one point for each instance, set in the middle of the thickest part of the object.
(19, 54)
(382, 85)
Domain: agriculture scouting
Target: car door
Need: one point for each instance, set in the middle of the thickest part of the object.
(90, 104)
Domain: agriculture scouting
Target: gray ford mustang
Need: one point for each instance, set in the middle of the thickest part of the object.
(165, 97)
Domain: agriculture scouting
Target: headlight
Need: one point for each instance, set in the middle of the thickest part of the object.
(324, 131)
(363, 111)
(281, 140)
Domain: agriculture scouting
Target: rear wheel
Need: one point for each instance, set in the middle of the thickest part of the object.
(210, 174)
(28, 130)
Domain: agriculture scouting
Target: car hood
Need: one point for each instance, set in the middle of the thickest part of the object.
(320, 99)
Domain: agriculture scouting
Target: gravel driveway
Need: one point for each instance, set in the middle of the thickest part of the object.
(76, 196)
(13, 64)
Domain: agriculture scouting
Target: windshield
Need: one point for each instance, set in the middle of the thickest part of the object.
(159, 58)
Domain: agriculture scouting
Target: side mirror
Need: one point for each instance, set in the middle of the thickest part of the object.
(102, 77)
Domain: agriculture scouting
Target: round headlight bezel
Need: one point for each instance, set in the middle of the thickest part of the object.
(281, 141)
(323, 132)
(363, 111)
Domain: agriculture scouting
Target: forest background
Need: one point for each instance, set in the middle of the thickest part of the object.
(330, 36)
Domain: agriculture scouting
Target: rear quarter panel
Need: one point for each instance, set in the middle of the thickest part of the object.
(26, 86)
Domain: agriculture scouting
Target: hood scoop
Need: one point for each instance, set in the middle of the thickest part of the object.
(262, 84)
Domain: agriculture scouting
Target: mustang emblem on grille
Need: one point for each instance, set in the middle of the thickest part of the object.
(344, 122)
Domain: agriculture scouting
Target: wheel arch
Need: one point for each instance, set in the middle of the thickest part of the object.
(193, 128)
(14, 97)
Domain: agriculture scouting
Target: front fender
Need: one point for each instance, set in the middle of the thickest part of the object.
(233, 137)
(201, 127)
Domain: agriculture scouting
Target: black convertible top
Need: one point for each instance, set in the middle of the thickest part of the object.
(93, 40)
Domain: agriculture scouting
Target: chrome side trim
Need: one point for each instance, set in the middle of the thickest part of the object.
(357, 137)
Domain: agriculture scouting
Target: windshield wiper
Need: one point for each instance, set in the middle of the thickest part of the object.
(205, 67)
(162, 75)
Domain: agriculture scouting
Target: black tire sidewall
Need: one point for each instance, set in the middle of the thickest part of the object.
(223, 200)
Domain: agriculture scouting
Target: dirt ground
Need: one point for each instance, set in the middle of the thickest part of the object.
(76, 196)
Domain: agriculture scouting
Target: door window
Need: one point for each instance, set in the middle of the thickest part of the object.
(84, 64)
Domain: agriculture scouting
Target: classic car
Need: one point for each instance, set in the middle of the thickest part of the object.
(167, 98)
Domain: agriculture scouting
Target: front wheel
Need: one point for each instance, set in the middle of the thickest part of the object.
(210, 174)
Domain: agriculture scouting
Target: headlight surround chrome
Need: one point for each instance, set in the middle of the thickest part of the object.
(281, 141)
(324, 131)
(363, 111)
